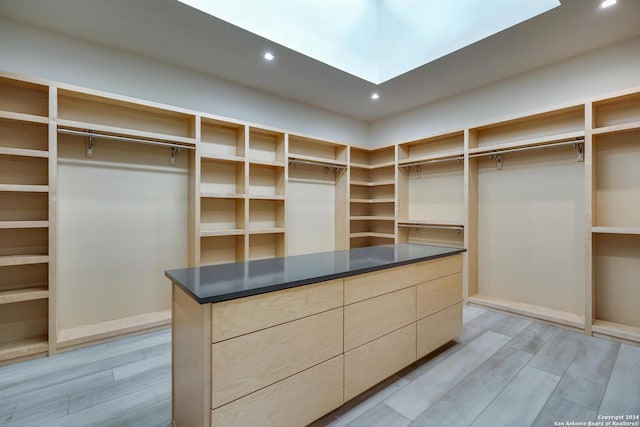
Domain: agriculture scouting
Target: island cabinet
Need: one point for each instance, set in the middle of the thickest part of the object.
(250, 350)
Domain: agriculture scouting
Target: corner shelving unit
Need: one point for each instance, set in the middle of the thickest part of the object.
(615, 232)
(372, 196)
(25, 220)
(431, 190)
(519, 190)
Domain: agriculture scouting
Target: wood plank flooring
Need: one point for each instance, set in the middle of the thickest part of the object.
(501, 371)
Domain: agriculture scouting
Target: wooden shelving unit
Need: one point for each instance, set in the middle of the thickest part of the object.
(615, 219)
(25, 254)
(431, 190)
(372, 197)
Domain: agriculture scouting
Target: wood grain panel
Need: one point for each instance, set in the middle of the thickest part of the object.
(439, 328)
(438, 294)
(372, 318)
(241, 316)
(296, 401)
(369, 364)
(248, 363)
(369, 285)
(440, 267)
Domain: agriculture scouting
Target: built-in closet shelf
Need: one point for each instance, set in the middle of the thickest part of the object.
(205, 232)
(617, 128)
(318, 160)
(372, 200)
(372, 218)
(25, 294)
(125, 132)
(535, 311)
(20, 188)
(266, 163)
(616, 230)
(372, 184)
(376, 166)
(533, 142)
(23, 224)
(9, 260)
(454, 155)
(275, 230)
(22, 152)
(372, 234)
(222, 159)
(221, 196)
(21, 117)
(444, 223)
(23, 348)
(616, 330)
(265, 197)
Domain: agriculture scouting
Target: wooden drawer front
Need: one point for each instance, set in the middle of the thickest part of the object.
(439, 328)
(240, 316)
(439, 294)
(440, 267)
(369, 364)
(295, 401)
(245, 364)
(367, 320)
(369, 285)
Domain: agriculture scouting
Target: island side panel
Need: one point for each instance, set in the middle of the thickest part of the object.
(191, 361)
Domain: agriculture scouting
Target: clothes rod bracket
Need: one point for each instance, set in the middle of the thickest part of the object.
(579, 146)
(89, 144)
(498, 158)
(172, 155)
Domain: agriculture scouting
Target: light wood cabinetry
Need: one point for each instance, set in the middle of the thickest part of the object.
(288, 357)
(27, 232)
(615, 219)
(372, 197)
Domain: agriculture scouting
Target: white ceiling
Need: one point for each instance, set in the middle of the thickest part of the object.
(178, 34)
(375, 40)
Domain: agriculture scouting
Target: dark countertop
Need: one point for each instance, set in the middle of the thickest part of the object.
(216, 283)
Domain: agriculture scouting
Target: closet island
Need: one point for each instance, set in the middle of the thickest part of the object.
(284, 341)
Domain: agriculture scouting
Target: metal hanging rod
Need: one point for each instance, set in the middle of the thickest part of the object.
(578, 144)
(327, 166)
(175, 148)
(417, 166)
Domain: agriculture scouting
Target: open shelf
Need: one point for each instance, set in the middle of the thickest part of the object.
(222, 177)
(120, 115)
(222, 139)
(532, 142)
(28, 171)
(616, 230)
(23, 348)
(444, 223)
(373, 234)
(379, 228)
(565, 123)
(21, 188)
(24, 294)
(266, 181)
(222, 249)
(314, 150)
(266, 147)
(389, 200)
(433, 148)
(23, 224)
(268, 245)
(266, 215)
(9, 260)
(23, 139)
(537, 312)
(617, 114)
(23, 242)
(371, 217)
(372, 159)
(24, 98)
(219, 217)
(373, 183)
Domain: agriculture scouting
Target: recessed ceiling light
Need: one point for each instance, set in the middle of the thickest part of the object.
(375, 96)
(607, 3)
(269, 56)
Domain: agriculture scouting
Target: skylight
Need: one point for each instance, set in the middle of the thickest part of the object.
(375, 40)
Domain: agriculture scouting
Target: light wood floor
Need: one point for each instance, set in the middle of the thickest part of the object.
(502, 371)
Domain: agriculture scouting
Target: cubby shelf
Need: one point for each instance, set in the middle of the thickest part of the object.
(315, 159)
(267, 163)
(214, 157)
(616, 230)
(21, 117)
(24, 294)
(21, 152)
(369, 201)
(372, 234)
(206, 195)
(8, 260)
(266, 197)
(205, 232)
(22, 188)
(626, 127)
(371, 218)
(373, 183)
(374, 166)
(23, 348)
(275, 230)
(23, 224)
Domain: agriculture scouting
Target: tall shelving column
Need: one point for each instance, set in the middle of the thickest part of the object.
(615, 217)
(372, 196)
(223, 184)
(266, 198)
(431, 190)
(26, 257)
